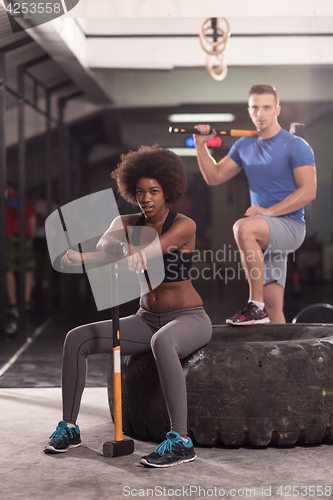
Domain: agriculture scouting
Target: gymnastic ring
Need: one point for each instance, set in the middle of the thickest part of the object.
(215, 50)
(214, 71)
(203, 37)
(249, 385)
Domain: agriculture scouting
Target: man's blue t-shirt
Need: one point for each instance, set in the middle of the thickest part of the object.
(269, 164)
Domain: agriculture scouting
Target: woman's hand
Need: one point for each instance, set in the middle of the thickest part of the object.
(71, 258)
(122, 249)
(137, 262)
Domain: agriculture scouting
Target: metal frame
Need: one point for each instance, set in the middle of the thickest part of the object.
(49, 174)
(3, 177)
(64, 174)
(22, 184)
(64, 162)
(22, 196)
(64, 147)
(3, 182)
(22, 72)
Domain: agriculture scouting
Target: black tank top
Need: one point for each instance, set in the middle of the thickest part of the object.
(177, 265)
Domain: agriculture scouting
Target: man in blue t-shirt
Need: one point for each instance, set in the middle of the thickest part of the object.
(280, 169)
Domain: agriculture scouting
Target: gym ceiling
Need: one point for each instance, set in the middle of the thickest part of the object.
(126, 66)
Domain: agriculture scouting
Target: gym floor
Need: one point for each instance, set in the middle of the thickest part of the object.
(31, 407)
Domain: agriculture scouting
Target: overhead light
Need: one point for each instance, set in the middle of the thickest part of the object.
(201, 117)
(183, 151)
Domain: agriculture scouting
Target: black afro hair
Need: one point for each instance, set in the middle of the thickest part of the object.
(152, 162)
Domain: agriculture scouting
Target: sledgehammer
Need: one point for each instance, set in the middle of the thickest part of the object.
(119, 446)
(295, 129)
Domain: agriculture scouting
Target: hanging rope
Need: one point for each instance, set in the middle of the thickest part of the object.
(215, 63)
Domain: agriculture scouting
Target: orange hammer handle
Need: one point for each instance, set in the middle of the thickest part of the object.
(233, 133)
(118, 426)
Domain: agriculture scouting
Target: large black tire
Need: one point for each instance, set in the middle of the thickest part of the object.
(250, 385)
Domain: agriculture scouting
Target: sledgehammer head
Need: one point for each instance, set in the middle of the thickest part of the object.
(118, 448)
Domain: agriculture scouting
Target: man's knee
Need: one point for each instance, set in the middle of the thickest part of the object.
(242, 230)
(251, 229)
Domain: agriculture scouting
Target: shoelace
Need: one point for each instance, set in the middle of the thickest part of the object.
(167, 445)
(61, 431)
(245, 308)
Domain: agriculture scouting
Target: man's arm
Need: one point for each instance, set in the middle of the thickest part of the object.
(213, 173)
(305, 178)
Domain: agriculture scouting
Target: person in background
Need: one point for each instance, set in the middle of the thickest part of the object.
(280, 169)
(40, 244)
(13, 251)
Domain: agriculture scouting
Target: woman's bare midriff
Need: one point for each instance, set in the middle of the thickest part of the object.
(169, 297)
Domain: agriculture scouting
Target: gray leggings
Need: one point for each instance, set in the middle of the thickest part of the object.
(171, 336)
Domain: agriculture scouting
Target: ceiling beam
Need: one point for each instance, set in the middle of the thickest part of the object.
(173, 52)
(191, 26)
(193, 8)
(57, 38)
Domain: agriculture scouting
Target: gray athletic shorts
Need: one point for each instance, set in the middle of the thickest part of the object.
(285, 236)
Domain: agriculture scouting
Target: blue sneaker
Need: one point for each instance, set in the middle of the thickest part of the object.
(63, 438)
(174, 450)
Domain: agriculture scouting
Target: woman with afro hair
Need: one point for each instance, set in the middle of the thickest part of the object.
(171, 320)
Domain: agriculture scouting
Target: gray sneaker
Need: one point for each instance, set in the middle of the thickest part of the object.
(174, 450)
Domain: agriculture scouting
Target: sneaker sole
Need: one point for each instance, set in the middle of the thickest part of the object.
(51, 450)
(247, 323)
(147, 464)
